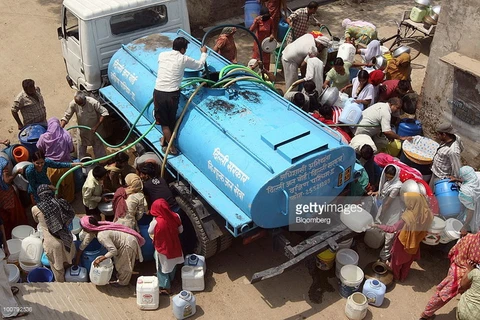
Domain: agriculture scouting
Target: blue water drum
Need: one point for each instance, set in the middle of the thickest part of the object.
(252, 10)
(8, 151)
(78, 177)
(447, 196)
(91, 252)
(29, 136)
(409, 127)
(147, 249)
(282, 29)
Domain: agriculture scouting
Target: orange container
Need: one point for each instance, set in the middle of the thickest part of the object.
(20, 153)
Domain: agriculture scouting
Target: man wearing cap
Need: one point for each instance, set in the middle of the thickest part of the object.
(447, 161)
(295, 53)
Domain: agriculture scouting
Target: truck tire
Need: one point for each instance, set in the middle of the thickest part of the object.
(204, 245)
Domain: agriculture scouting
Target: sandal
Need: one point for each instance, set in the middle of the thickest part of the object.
(15, 290)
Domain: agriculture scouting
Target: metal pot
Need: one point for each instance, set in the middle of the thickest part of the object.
(86, 169)
(20, 181)
(400, 50)
(107, 207)
(436, 9)
(268, 45)
(430, 20)
(329, 96)
(380, 63)
(422, 3)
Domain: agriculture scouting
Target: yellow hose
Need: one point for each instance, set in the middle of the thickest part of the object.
(177, 125)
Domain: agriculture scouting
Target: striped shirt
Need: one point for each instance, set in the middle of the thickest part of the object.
(32, 110)
(446, 161)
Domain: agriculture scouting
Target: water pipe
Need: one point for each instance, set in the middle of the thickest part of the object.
(245, 69)
(296, 83)
(229, 67)
(270, 86)
(177, 125)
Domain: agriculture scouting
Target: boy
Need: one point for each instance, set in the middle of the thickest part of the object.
(92, 191)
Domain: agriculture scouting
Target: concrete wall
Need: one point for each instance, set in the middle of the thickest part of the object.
(206, 12)
(457, 31)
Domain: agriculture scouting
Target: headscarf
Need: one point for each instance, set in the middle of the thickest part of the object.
(134, 184)
(56, 142)
(385, 186)
(418, 219)
(376, 77)
(469, 195)
(229, 30)
(324, 41)
(166, 239)
(106, 225)
(359, 23)
(399, 68)
(3, 165)
(372, 51)
(58, 214)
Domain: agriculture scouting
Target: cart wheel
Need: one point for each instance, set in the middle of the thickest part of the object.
(412, 43)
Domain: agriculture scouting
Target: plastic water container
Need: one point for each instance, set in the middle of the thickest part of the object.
(346, 51)
(351, 113)
(193, 278)
(147, 293)
(374, 238)
(417, 14)
(6, 157)
(86, 168)
(40, 275)
(91, 252)
(351, 277)
(101, 275)
(409, 127)
(195, 260)
(356, 307)
(347, 244)
(325, 260)
(345, 257)
(374, 290)
(184, 305)
(22, 231)
(76, 274)
(13, 274)
(29, 136)
(44, 260)
(435, 231)
(27, 267)
(358, 220)
(32, 250)
(252, 10)
(282, 29)
(14, 246)
(447, 196)
(451, 231)
(147, 249)
(75, 226)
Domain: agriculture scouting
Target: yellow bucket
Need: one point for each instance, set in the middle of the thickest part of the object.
(325, 259)
(394, 147)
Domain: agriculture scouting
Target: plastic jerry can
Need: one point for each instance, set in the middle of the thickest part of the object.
(76, 274)
(147, 293)
(101, 275)
(346, 51)
(32, 250)
(193, 278)
(184, 305)
(351, 113)
(196, 260)
(374, 290)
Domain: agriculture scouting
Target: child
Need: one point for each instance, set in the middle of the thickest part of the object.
(92, 191)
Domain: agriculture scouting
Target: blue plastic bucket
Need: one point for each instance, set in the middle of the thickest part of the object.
(29, 136)
(147, 249)
(282, 29)
(91, 252)
(252, 10)
(40, 275)
(447, 196)
(409, 127)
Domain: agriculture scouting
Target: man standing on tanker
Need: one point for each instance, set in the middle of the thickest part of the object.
(171, 66)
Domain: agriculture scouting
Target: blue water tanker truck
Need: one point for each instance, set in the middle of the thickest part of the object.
(245, 152)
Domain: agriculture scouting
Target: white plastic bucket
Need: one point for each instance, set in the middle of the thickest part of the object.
(345, 257)
(347, 244)
(356, 307)
(451, 231)
(13, 274)
(22, 231)
(14, 246)
(351, 277)
(27, 267)
(434, 232)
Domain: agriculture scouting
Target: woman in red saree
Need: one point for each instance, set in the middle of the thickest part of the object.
(263, 28)
(465, 252)
(11, 209)
(165, 229)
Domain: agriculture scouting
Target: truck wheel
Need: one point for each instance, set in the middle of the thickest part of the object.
(204, 246)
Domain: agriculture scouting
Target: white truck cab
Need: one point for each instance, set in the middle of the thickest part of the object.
(93, 30)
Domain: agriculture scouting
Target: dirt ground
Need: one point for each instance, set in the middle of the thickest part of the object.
(31, 50)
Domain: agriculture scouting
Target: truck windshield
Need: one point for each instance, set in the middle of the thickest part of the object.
(139, 19)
